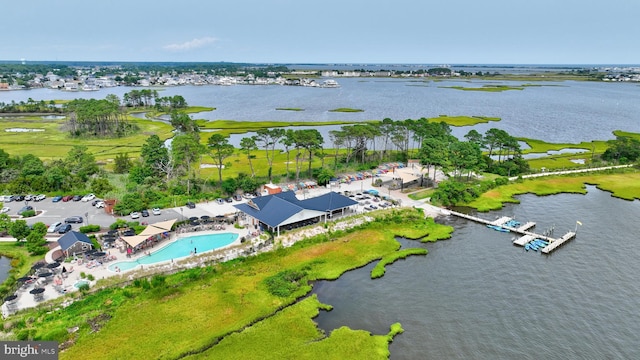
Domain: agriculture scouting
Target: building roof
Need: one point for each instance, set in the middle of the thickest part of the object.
(276, 209)
(69, 239)
(328, 202)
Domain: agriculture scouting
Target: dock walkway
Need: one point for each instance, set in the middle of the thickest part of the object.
(527, 236)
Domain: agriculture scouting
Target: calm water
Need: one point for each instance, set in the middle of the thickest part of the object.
(5, 266)
(477, 296)
(557, 112)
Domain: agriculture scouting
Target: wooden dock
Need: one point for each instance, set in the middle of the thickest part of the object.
(527, 236)
(555, 244)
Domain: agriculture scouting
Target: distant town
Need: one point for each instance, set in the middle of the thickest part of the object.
(84, 77)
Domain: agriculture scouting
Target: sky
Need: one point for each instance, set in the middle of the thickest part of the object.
(324, 31)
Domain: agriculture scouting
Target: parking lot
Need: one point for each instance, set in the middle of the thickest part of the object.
(49, 212)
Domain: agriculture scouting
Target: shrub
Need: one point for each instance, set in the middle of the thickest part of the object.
(89, 228)
(285, 283)
(29, 213)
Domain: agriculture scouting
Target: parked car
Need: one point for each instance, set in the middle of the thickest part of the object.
(88, 197)
(155, 211)
(144, 213)
(5, 210)
(191, 205)
(74, 219)
(64, 228)
(28, 197)
(56, 198)
(54, 227)
(100, 204)
(220, 201)
(67, 198)
(77, 197)
(18, 198)
(40, 197)
(229, 199)
(135, 215)
(237, 197)
(25, 208)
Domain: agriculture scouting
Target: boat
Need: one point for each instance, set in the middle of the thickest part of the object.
(533, 246)
(527, 247)
(497, 228)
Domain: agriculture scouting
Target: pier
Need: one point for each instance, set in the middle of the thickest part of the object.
(524, 230)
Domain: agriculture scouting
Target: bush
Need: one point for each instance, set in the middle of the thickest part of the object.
(29, 213)
(285, 283)
(89, 228)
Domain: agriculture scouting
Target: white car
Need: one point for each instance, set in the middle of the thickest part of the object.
(88, 197)
(5, 210)
(99, 204)
(52, 228)
(155, 211)
(135, 215)
(40, 197)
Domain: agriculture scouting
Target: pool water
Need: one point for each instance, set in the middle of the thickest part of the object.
(179, 249)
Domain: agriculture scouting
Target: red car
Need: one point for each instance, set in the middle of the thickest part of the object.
(67, 198)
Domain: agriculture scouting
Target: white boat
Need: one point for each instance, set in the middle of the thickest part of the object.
(330, 84)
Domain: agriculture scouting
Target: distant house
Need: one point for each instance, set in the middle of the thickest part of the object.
(74, 242)
(285, 210)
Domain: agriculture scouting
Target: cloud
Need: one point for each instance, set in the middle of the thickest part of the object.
(190, 45)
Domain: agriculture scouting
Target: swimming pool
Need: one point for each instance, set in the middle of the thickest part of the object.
(180, 248)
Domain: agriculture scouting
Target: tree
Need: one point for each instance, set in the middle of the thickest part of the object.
(122, 163)
(310, 140)
(268, 139)
(324, 176)
(288, 141)
(19, 230)
(220, 149)
(154, 154)
(101, 186)
(183, 123)
(248, 144)
(81, 162)
(186, 149)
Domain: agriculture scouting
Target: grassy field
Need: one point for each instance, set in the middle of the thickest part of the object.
(463, 120)
(290, 109)
(192, 311)
(55, 143)
(624, 184)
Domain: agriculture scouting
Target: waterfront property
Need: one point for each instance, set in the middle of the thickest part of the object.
(285, 210)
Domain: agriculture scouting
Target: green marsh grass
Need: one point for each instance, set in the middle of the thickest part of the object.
(623, 184)
(380, 268)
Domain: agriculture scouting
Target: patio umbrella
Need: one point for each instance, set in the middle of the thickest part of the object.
(46, 274)
(37, 266)
(112, 232)
(11, 298)
(24, 279)
(36, 291)
(53, 265)
(99, 254)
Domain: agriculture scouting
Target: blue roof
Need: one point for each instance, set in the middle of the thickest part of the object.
(328, 202)
(274, 209)
(67, 240)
